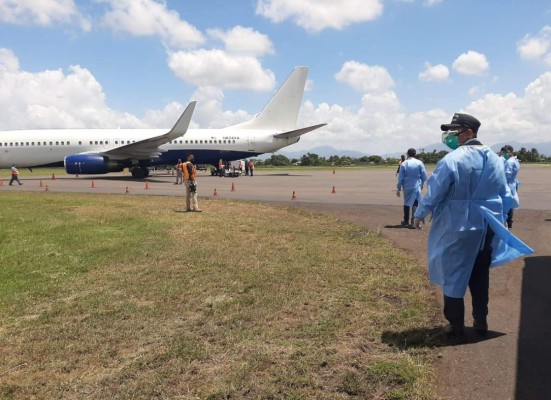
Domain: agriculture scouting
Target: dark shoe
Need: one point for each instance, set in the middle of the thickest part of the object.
(404, 223)
(197, 210)
(481, 326)
(454, 334)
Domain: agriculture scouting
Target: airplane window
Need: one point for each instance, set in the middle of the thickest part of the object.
(27, 143)
(233, 141)
(224, 142)
(107, 142)
(185, 142)
(68, 143)
(38, 143)
(57, 143)
(0, 144)
(32, 143)
(22, 143)
(133, 141)
(17, 144)
(51, 143)
(96, 142)
(101, 142)
(116, 142)
(79, 142)
(180, 141)
(44, 143)
(200, 141)
(62, 143)
(11, 144)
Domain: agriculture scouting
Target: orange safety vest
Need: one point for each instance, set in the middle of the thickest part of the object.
(186, 171)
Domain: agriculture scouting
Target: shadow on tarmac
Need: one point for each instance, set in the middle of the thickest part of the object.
(534, 339)
(399, 226)
(432, 337)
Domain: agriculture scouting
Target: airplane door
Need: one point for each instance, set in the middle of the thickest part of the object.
(251, 144)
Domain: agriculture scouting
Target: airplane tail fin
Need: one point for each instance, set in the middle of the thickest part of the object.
(281, 112)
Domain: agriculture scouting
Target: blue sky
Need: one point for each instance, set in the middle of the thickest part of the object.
(383, 74)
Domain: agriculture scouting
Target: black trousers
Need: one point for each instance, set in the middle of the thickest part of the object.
(479, 284)
(510, 219)
(406, 211)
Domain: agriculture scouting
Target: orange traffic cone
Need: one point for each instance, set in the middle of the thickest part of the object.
(53, 177)
(233, 187)
(333, 191)
(46, 189)
(93, 185)
(294, 196)
(127, 191)
(146, 184)
(41, 183)
(215, 192)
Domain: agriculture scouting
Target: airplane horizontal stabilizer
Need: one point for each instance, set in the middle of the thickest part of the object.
(297, 132)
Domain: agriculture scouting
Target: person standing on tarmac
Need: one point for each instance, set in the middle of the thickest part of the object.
(411, 178)
(468, 197)
(190, 175)
(15, 175)
(511, 165)
(251, 167)
(179, 172)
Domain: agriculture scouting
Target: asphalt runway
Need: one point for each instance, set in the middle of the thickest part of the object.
(512, 362)
(351, 186)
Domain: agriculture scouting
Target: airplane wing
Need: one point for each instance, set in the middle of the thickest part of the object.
(150, 147)
(297, 132)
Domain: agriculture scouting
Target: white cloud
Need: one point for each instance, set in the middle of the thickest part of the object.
(430, 3)
(365, 78)
(241, 40)
(537, 47)
(474, 91)
(220, 69)
(8, 60)
(53, 99)
(43, 13)
(150, 18)
(317, 15)
(471, 63)
(434, 73)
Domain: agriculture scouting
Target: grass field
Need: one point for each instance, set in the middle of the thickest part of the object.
(123, 297)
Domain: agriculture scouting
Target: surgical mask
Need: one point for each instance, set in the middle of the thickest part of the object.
(506, 156)
(449, 138)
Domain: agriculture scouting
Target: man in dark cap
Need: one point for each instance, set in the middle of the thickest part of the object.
(511, 166)
(468, 197)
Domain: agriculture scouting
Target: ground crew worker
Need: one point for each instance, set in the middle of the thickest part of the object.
(190, 174)
(251, 167)
(179, 172)
(14, 175)
(468, 197)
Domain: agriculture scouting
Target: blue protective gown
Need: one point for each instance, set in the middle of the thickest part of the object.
(466, 193)
(411, 178)
(512, 166)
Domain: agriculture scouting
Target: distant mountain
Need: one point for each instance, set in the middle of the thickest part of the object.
(328, 151)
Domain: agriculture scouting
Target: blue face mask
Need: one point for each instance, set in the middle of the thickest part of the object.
(449, 138)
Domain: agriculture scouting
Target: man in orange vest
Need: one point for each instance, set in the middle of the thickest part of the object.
(14, 175)
(179, 172)
(190, 174)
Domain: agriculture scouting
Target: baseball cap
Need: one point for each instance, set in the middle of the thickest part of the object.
(462, 120)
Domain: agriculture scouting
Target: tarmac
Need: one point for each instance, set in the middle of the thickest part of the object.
(512, 362)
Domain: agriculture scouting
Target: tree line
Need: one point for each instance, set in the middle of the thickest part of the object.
(315, 160)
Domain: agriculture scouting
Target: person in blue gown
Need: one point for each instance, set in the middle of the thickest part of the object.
(511, 166)
(468, 197)
(411, 178)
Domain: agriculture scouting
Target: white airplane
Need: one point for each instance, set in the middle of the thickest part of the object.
(99, 151)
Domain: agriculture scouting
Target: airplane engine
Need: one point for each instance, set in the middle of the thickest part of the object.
(90, 164)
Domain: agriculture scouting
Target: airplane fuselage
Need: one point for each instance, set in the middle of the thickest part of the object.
(41, 148)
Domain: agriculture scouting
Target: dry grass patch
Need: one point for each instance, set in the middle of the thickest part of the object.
(124, 297)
